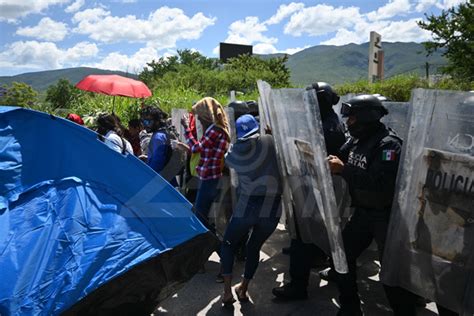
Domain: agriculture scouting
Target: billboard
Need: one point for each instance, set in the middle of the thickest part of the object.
(227, 50)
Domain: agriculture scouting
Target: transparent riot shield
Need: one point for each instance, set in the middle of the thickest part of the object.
(397, 118)
(176, 115)
(296, 124)
(430, 244)
(343, 98)
(264, 110)
(223, 206)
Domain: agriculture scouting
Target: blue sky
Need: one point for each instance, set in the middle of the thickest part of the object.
(124, 35)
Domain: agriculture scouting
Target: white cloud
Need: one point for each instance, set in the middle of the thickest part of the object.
(295, 50)
(404, 31)
(391, 31)
(46, 29)
(264, 48)
(11, 10)
(391, 9)
(132, 64)
(343, 37)
(75, 6)
(162, 29)
(284, 11)
(424, 5)
(446, 4)
(321, 19)
(248, 32)
(90, 15)
(45, 55)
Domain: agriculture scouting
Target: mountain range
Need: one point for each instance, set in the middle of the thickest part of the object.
(340, 64)
(41, 80)
(332, 64)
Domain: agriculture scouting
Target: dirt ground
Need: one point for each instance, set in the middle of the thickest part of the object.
(202, 295)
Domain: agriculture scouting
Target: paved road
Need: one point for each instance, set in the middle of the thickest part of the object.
(202, 295)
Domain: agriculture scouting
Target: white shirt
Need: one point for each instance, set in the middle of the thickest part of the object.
(116, 142)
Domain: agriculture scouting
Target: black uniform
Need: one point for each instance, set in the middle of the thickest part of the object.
(303, 255)
(370, 170)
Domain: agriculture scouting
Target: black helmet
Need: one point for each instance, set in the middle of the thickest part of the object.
(240, 108)
(326, 95)
(366, 108)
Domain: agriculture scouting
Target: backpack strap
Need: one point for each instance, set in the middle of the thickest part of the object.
(124, 146)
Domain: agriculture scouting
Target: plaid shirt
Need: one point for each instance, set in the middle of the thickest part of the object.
(212, 147)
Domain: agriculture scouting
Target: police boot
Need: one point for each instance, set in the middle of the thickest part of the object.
(328, 275)
(290, 292)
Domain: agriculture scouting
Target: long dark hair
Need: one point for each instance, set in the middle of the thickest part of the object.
(106, 123)
(158, 115)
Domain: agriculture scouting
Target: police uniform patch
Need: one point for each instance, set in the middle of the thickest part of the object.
(389, 155)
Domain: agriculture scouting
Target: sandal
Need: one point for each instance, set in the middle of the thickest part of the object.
(228, 304)
(240, 297)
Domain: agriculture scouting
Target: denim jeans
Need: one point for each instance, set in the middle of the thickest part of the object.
(207, 193)
(257, 213)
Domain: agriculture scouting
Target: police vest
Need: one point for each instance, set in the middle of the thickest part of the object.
(371, 183)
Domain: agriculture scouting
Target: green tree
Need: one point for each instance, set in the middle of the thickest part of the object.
(189, 57)
(157, 69)
(453, 31)
(63, 94)
(19, 94)
(252, 68)
(153, 74)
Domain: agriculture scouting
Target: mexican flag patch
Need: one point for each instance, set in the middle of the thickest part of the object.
(389, 155)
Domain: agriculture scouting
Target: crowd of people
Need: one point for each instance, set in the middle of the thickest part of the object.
(363, 151)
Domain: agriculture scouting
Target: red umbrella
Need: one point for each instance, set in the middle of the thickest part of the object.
(114, 85)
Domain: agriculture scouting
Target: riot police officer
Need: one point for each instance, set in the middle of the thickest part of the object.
(369, 164)
(302, 255)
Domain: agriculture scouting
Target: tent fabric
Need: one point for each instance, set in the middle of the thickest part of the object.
(76, 215)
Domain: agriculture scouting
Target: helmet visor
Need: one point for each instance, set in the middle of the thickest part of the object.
(346, 109)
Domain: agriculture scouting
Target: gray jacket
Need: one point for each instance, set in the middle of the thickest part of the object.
(255, 162)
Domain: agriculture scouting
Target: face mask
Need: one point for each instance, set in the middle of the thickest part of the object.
(356, 130)
(147, 124)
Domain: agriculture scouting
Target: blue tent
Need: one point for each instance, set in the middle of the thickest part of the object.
(85, 229)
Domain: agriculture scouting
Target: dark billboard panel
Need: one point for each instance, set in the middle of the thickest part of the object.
(227, 50)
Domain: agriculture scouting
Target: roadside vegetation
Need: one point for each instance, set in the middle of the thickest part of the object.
(178, 81)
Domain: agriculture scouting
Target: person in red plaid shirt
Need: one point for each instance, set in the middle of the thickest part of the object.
(212, 148)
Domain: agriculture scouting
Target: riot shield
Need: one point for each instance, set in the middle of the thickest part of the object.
(296, 124)
(176, 115)
(223, 206)
(430, 244)
(343, 98)
(265, 119)
(397, 118)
